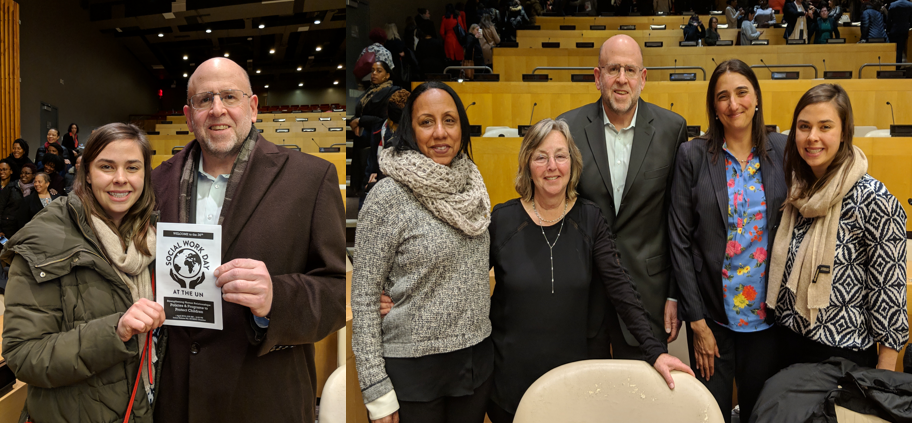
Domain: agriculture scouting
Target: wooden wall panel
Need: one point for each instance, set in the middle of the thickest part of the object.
(9, 75)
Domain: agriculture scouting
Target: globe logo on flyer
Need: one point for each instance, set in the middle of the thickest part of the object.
(187, 262)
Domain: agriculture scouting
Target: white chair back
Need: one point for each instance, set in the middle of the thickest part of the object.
(880, 133)
(332, 401)
(615, 391)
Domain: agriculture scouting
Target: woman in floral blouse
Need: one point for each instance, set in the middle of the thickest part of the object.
(838, 268)
(727, 191)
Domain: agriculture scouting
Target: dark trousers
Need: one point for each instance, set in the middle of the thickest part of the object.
(748, 358)
(498, 415)
(803, 350)
(901, 40)
(609, 342)
(464, 409)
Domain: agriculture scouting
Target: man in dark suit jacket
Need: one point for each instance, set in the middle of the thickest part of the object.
(283, 253)
(644, 139)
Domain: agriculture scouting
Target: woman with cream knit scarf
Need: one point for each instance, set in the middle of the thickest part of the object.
(840, 251)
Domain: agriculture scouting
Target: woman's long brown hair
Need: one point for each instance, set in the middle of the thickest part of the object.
(800, 179)
(135, 224)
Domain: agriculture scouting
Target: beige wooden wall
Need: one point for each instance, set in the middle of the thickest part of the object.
(9, 75)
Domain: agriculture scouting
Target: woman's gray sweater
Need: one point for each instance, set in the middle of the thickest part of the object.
(436, 275)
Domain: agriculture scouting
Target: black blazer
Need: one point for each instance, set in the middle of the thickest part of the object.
(790, 16)
(640, 223)
(31, 205)
(697, 222)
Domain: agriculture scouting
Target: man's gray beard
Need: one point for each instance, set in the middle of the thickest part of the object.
(206, 144)
(614, 107)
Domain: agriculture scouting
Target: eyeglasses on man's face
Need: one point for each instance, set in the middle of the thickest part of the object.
(615, 70)
(230, 98)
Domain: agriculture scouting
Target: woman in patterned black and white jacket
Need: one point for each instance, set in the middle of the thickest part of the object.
(840, 251)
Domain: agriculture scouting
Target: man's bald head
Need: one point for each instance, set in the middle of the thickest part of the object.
(221, 129)
(222, 68)
(620, 45)
(622, 57)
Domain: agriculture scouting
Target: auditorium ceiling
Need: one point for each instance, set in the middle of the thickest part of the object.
(283, 43)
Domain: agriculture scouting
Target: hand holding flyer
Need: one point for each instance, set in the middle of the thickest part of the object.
(186, 257)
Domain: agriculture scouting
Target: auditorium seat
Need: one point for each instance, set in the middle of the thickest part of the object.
(615, 391)
(878, 133)
(332, 402)
(861, 131)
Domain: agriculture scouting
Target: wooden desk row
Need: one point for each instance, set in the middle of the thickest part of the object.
(269, 128)
(614, 22)
(889, 160)
(181, 119)
(510, 103)
(670, 37)
(511, 63)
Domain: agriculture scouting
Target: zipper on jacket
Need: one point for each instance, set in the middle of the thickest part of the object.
(67, 257)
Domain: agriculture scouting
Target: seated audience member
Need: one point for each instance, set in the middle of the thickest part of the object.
(579, 250)
(694, 30)
(720, 261)
(6, 173)
(838, 268)
(70, 140)
(872, 22)
(40, 197)
(53, 136)
(824, 27)
(12, 218)
(748, 31)
(57, 150)
(52, 163)
(765, 15)
(712, 33)
(18, 156)
(70, 177)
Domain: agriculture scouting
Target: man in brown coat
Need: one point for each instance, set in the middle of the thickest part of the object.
(283, 271)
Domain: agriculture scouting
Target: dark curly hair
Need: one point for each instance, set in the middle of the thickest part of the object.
(377, 35)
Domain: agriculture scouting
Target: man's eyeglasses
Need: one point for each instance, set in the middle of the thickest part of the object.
(615, 70)
(230, 98)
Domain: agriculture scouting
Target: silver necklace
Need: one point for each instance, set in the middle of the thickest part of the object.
(548, 221)
(549, 243)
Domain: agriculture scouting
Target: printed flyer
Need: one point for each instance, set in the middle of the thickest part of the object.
(185, 257)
